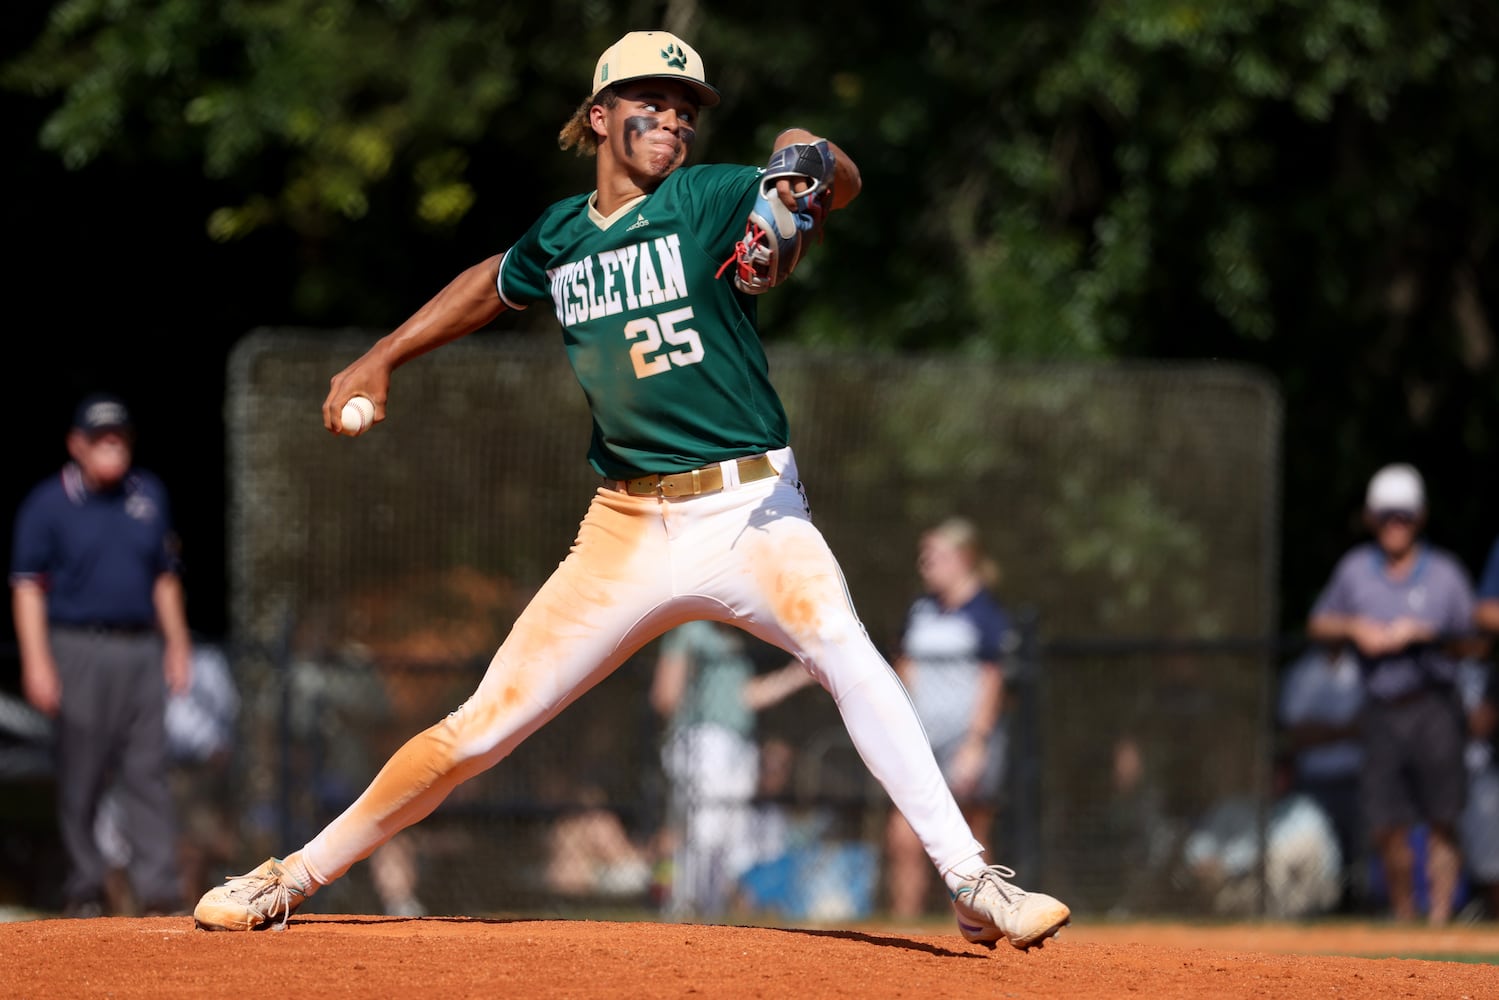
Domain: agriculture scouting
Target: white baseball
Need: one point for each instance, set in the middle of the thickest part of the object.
(357, 416)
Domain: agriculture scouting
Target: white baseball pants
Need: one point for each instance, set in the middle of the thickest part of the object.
(749, 555)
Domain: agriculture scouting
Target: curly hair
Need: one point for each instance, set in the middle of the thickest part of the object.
(577, 134)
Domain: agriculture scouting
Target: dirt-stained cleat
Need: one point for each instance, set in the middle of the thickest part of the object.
(991, 909)
(265, 897)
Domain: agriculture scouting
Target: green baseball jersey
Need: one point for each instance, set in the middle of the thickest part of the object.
(666, 351)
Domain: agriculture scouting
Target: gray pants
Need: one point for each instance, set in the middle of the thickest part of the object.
(111, 730)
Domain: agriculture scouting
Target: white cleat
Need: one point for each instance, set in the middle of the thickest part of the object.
(990, 909)
(251, 901)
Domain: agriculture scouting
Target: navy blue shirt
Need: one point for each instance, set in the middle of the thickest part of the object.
(947, 649)
(97, 555)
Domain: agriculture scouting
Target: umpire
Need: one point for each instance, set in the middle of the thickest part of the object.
(102, 629)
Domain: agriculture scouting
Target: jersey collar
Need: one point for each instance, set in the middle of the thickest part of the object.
(604, 222)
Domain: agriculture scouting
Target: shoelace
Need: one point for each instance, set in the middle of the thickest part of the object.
(251, 888)
(995, 875)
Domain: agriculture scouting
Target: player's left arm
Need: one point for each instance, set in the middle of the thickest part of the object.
(805, 178)
(846, 182)
(842, 188)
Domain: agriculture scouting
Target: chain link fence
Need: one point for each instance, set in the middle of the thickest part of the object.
(1132, 508)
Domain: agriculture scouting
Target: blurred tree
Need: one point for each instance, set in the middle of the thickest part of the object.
(1296, 184)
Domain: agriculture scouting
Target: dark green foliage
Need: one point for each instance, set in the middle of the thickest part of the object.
(1298, 185)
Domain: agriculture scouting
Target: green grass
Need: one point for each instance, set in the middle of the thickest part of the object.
(1476, 958)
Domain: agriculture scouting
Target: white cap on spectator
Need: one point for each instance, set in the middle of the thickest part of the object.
(1397, 487)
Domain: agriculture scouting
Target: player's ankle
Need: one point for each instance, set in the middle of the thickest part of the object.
(296, 867)
(963, 871)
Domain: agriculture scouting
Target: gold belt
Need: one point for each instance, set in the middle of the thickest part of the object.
(689, 484)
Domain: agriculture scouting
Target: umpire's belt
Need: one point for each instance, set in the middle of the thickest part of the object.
(708, 479)
(107, 628)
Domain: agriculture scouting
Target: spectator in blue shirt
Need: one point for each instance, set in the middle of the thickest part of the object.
(952, 664)
(1405, 609)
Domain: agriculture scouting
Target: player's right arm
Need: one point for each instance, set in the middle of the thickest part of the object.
(468, 303)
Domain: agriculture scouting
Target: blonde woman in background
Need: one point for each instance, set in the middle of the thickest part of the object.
(951, 661)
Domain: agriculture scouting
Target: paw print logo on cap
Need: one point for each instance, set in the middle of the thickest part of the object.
(675, 57)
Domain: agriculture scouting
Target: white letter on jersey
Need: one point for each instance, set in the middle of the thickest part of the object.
(627, 257)
(559, 278)
(650, 285)
(608, 301)
(598, 290)
(575, 301)
(669, 253)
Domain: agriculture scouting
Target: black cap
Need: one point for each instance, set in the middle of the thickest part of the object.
(101, 412)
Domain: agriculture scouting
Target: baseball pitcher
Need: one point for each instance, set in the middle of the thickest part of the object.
(699, 513)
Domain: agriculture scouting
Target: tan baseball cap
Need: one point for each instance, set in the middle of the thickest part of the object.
(645, 54)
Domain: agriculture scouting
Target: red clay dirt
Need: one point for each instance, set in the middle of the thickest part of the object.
(391, 958)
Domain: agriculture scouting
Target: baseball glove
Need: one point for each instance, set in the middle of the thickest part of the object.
(773, 235)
